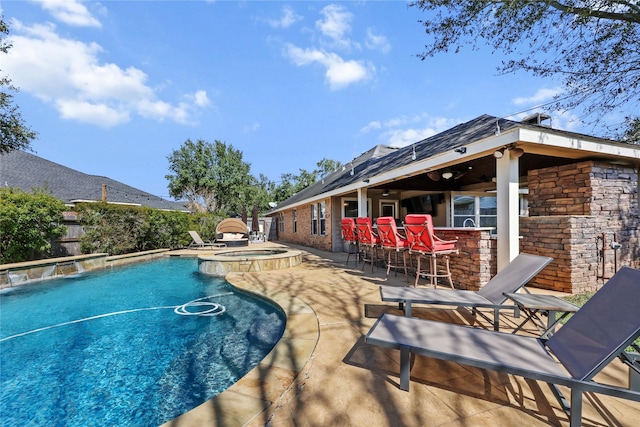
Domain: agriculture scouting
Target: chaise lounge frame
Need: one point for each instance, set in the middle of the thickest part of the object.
(514, 276)
(596, 334)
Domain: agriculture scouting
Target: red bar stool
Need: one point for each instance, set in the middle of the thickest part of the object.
(368, 240)
(350, 234)
(393, 243)
(423, 242)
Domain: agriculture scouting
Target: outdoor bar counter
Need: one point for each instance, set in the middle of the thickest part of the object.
(476, 262)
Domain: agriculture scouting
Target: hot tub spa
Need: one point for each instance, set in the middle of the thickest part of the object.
(248, 260)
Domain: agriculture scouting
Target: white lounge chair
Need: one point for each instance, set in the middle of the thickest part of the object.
(596, 334)
(198, 243)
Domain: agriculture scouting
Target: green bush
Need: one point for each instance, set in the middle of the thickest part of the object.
(28, 224)
(118, 229)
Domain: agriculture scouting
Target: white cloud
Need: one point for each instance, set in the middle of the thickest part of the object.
(253, 127)
(97, 114)
(377, 42)
(70, 12)
(373, 125)
(201, 99)
(405, 130)
(541, 96)
(339, 73)
(288, 18)
(68, 74)
(335, 25)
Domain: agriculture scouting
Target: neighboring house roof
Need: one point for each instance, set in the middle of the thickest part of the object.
(19, 169)
(389, 161)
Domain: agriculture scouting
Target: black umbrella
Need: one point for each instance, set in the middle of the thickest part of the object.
(255, 222)
(244, 214)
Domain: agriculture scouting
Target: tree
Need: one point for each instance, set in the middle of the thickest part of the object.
(14, 134)
(28, 224)
(327, 166)
(632, 132)
(591, 44)
(291, 184)
(211, 177)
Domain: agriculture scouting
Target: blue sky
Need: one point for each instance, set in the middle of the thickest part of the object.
(113, 87)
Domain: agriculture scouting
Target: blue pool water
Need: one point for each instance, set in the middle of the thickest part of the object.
(123, 347)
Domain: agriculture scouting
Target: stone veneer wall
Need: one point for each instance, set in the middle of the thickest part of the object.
(475, 263)
(575, 212)
(303, 235)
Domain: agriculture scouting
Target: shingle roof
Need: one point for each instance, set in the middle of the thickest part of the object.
(27, 171)
(381, 159)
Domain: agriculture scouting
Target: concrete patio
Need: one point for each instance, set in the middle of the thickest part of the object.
(322, 373)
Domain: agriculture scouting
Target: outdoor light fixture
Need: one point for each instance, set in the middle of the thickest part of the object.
(385, 193)
(461, 150)
(447, 175)
(433, 175)
(499, 153)
(516, 152)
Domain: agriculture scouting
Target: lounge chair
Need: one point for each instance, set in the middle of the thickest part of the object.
(198, 243)
(596, 334)
(514, 276)
(232, 232)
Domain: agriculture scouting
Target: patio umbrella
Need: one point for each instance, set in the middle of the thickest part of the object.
(255, 222)
(244, 214)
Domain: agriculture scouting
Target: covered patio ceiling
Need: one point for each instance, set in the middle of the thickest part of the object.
(474, 174)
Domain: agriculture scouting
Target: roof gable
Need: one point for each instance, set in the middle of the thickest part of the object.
(27, 171)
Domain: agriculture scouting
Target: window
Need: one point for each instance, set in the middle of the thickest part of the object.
(314, 219)
(323, 219)
(349, 208)
(295, 220)
(474, 211)
(471, 210)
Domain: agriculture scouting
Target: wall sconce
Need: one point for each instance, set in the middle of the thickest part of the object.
(447, 175)
(385, 193)
(413, 155)
(461, 150)
(499, 153)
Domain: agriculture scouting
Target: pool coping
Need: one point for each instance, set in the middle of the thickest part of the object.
(262, 387)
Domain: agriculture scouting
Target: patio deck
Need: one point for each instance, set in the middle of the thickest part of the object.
(322, 373)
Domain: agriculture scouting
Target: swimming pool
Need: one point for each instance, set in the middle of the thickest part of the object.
(127, 346)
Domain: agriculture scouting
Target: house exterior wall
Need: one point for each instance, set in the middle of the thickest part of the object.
(303, 235)
(576, 212)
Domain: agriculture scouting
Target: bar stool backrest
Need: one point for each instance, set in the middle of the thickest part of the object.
(419, 229)
(349, 232)
(366, 236)
(388, 233)
(416, 228)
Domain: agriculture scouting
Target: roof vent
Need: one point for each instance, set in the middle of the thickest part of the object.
(537, 119)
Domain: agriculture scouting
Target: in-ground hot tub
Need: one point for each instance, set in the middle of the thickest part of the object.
(246, 260)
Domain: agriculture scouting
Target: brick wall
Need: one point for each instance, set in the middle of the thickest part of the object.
(576, 212)
(303, 235)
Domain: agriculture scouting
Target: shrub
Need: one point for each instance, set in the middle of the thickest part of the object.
(117, 229)
(28, 224)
